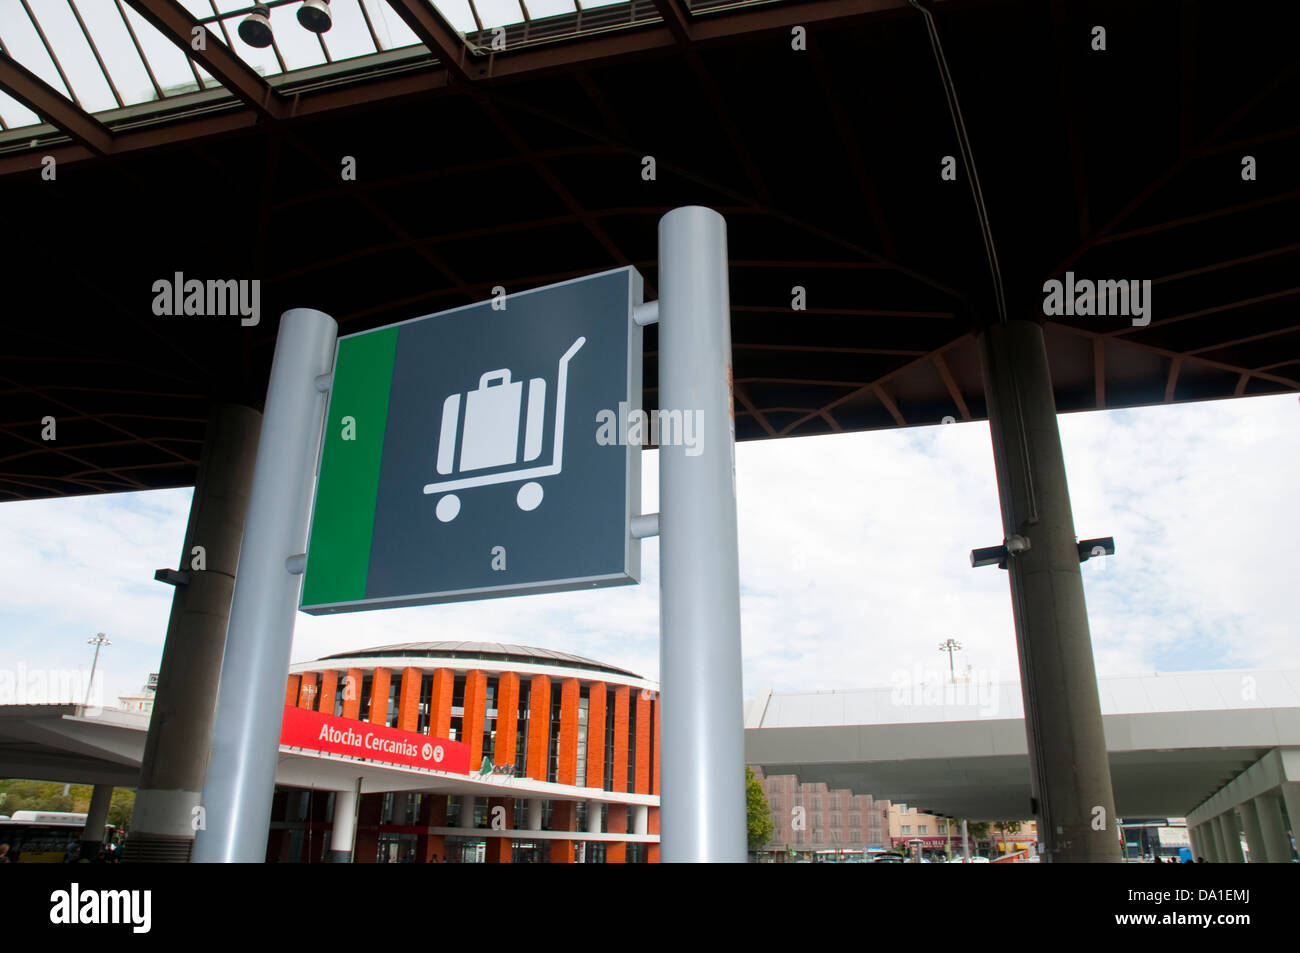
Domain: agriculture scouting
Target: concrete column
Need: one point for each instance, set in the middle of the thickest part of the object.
(180, 731)
(345, 826)
(1291, 801)
(1197, 836)
(593, 817)
(1254, 835)
(92, 836)
(640, 819)
(1272, 825)
(534, 814)
(467, 804)
(1217, 843)
(1232, 837)
(1069, 766)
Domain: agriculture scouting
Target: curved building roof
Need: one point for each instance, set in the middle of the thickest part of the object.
(488, 651)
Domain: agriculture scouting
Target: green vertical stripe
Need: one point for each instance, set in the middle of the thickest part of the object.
(338, 557)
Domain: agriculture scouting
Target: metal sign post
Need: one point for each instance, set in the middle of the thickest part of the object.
(702, 776)
(236, 802)
(444, 478)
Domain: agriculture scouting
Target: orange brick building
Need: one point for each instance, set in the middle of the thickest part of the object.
(564, 760)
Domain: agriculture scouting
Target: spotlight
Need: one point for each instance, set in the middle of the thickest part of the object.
(315, 15)
(255, 29)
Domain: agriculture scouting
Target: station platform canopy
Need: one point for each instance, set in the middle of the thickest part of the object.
(515, 143)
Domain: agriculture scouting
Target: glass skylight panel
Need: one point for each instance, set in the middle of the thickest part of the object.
(593, 4)
(198, 9)
(457, 13)
(15, 114)
(262, 60)
(391, 29)
(113, 41)
(349, 36)
(168, 63)
(299, 47)
(549, 8)
(90, 89)
(499, 12)
(23, 44)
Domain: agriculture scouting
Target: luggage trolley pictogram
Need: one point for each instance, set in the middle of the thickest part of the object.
(490, 437)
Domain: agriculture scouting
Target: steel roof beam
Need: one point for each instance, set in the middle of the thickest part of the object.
(51, 105)
(675, 18)
(176, 23)
(442, 41)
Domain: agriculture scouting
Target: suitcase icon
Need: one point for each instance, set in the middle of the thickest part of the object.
(490, 436)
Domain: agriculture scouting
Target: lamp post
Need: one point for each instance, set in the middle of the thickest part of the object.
(950, 646)
(99, 641)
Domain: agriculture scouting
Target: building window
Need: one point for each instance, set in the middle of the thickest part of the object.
(364, 713)
(489, 720)
(553, 737)
(907, 828)
(923, 829)
(584, 703)
(631, 745)
(522, 727)
(608, 784)
(394, 700)
(426, 703)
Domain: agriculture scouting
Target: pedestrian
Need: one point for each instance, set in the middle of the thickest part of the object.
(4, 853)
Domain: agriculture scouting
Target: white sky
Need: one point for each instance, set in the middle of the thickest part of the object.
(854, 560)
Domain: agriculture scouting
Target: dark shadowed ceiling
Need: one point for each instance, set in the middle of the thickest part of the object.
(524, 166)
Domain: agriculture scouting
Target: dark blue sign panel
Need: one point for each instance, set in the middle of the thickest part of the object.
(494, 476)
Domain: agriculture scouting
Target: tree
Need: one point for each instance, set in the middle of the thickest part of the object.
(18, 795)
(1008, 828)
(978, 830)
(759, 826)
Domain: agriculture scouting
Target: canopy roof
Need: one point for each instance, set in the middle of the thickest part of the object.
(819, 129)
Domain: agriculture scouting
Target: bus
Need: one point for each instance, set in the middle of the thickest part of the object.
(42, 837)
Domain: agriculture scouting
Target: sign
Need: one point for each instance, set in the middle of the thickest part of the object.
(1173, 837)
(302, 728)
(464, 455)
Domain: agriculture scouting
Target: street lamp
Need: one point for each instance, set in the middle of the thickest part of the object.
(950, 646)
(99, 641)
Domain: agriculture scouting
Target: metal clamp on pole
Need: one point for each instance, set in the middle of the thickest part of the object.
(644, 526)
(647, 313)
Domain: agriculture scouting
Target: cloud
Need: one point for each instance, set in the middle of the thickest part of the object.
(853, 553)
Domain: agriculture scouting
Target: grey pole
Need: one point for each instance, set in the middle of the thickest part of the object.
(250, 701)
(99, 641)
(965, 842)
(1069, 768)
(702, 777)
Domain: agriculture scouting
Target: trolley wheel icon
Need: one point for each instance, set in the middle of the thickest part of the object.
(528, 499)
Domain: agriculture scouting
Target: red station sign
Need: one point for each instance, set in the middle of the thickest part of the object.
(360, 739)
